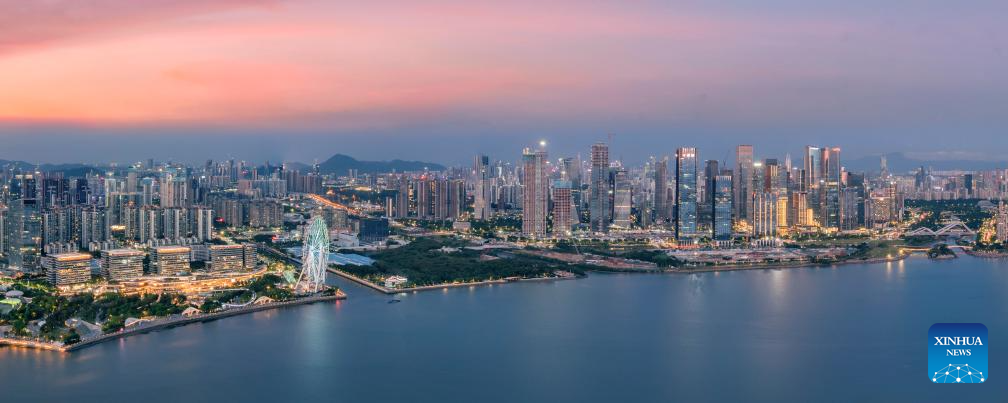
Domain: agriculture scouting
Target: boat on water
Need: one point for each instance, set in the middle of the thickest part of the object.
(393, 301)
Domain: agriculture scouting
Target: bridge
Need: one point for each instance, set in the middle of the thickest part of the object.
(329, 203)
(956, 228)
(228, 305)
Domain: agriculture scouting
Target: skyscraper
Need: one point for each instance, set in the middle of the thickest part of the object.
(686, 193)
(441, 198)
(201, 222)
(722, 207)
(424, 201)
(661, 190)
(831, 186)
(482, 209)
(3, 229)
(456, 198)
(764, 214)
(24, 240)
(798, 211)
(742, 181)
(813, 170)
(622, 199)
(812, 160)
(772, 176)
(598, 204)
(174, 191)
(402, 198)
(536, 192)
(711, 171)
(851, 202)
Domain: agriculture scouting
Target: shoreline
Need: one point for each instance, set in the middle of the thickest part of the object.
(759, 266)
(391, 291)
(987, 254)
(603, 269)
(789, 266)
(160, 324)
(157, 324)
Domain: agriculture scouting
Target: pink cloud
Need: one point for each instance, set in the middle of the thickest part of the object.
(367, 63)
(26, 25)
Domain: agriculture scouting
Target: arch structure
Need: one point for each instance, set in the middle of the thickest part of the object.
(955, 228)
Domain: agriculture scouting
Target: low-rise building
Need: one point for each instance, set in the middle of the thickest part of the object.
(346, 240)
(231, 257)
(371, 230)
(67, 268)
(122, 264)
(395, 281)
(170, 260)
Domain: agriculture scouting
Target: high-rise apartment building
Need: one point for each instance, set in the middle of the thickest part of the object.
(535, 195)
(764, 214)
(402, 209)
(563, 208)
(424, 199)
(482, 197)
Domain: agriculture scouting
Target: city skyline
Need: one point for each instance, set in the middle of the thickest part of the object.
(502, 201)
(447, 79)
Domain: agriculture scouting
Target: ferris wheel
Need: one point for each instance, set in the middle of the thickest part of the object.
(314, 255)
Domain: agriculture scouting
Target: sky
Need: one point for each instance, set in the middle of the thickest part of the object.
(123, 80)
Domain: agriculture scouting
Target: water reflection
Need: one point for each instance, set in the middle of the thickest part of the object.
(778, 289)
(759, 335)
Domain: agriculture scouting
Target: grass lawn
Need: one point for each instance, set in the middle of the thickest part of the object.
(423, 263)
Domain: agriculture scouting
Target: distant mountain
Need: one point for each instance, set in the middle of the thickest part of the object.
(68, 170)
(339, 164)
(900, 163)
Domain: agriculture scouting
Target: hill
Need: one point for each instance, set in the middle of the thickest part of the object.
(339, 164)
(68, 170)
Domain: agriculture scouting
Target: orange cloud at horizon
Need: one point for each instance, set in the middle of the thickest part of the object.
(249, 67)
(308, 63)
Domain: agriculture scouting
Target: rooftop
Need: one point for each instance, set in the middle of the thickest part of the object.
(231, 246)
(172, 249)
(124, 252)
(72, 256)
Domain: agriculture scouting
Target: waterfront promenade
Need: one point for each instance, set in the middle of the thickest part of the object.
(794, 265)
(387, 290)
(163, 323)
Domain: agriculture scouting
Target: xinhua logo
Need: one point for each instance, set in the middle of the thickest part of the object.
(957, 353)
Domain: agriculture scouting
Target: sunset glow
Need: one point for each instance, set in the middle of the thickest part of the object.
(470, 66)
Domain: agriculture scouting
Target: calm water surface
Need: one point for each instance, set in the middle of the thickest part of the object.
(848, 333)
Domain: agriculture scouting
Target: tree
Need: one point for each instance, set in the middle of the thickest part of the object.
(71, 337)
(210, 305)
